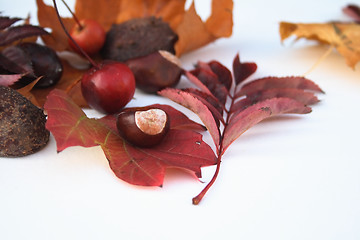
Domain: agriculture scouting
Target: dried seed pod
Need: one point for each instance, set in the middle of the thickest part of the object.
(22, 125)
(155, 71)
(143, 127)
(138, 37)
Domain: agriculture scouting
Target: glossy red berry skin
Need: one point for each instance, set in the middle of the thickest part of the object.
(108, 87)
(90, 36)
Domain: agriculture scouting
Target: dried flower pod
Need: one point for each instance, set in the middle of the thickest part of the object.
(138, 37)
(155, 71)
(143, 127)
(22, 125)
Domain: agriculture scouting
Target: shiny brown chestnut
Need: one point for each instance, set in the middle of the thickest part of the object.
(155, 71)
(143, 126)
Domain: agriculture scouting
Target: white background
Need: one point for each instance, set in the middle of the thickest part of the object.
(293, 177)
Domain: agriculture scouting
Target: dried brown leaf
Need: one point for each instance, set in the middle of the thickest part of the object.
(343, 36)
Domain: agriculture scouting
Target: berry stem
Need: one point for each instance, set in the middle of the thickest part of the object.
(92, 62)
(73, 15)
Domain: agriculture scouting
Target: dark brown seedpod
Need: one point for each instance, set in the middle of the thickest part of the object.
(155, 71)
(143, 127)
(22, 125)
(138, 37)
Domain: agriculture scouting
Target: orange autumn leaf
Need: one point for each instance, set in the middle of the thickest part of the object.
(70, 82)
(192, 31)
(345, 37)
(26, 92)
(47, 18)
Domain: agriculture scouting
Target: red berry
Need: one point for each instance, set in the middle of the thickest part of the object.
(108, 87)
(89, 35)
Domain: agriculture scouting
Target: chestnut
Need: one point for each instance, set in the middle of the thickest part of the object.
(143, 127)
(155, 71)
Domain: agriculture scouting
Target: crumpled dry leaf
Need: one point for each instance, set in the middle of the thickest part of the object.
(47, 18)
(345, 37)
(69, 82)
(192, 31)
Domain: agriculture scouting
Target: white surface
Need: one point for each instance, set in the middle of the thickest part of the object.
(293, 178)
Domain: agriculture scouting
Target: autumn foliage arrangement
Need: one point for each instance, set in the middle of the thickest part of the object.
(226, 105)
(228, 102)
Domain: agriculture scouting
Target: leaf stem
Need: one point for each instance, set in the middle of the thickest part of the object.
(92, 62)
(196, 200)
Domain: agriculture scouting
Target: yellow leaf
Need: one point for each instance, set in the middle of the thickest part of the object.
(345, 37)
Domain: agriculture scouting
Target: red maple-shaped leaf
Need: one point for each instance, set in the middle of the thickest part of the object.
(228, 109)
(182, 147)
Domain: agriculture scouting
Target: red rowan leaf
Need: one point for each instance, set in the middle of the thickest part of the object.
(224, 74)
(204, 73)
(212, 103)
(7, 21)
(13, 59)
(352, 11)
(214, 68)
(244, 105)
(278, 82)
(198, 83)
(307, 98)
(242, 70)
(189, 101)
(252, 115)
(183, 149)
(9, 79)
(19, 32)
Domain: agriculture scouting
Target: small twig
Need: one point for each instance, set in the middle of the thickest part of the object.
(320, 60)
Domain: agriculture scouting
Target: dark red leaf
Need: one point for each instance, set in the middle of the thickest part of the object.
(211, 81)
(223, 74)
(141, 166)
(277, 82)
(252, 103)
(69, 124)
(254, 114)
(189, 101)
(300, 95)
(9, 79)
(212, 103)
(242, 70)
(7, 21)
(352, 11)
(146, 166)
(198, 83)
(14, 60)
(19, 32)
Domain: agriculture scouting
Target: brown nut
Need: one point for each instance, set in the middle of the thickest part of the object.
(138, 37)
(155, 71)
(143, 127)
